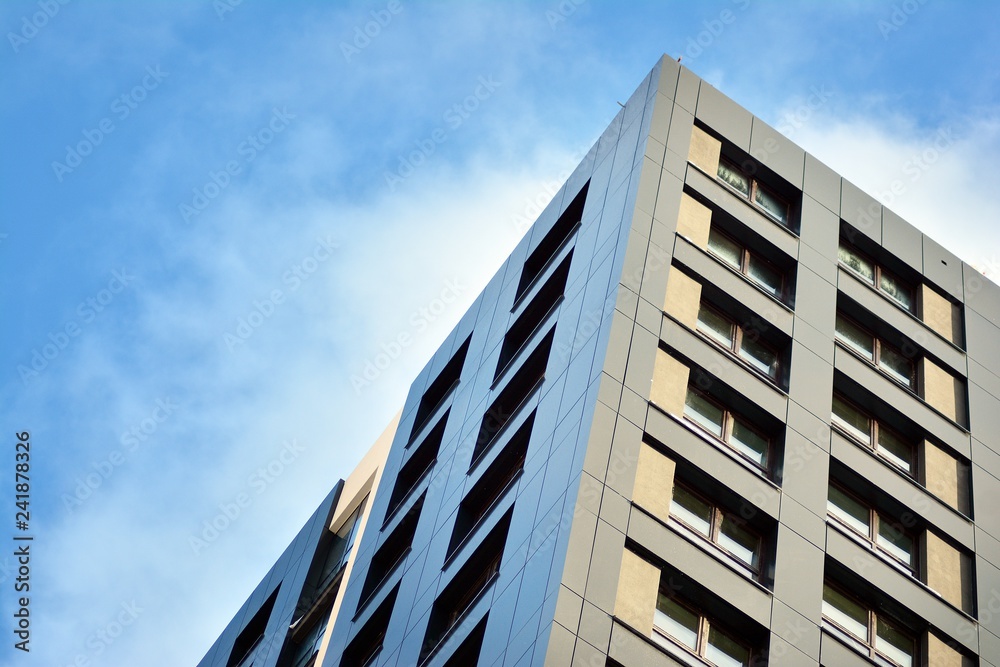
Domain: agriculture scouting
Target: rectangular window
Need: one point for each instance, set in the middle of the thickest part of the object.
(876, 276)
(751, 189)
(880, 531)
(881, 638)
(681, 625)
(739, 340)
(732, 429)
(889, 359)
(722, 529)
(761, 272)
(883, 440)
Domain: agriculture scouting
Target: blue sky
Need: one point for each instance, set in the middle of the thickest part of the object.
(216, 213)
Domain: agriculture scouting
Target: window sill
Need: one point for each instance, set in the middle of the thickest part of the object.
(746, 201)
(502, 372)
(416, 434)
(482, 520)
(381, 583)
(893, 563)
(411, 492)
(549, 263)
(742, 276)
(518, 410)
(871, 364)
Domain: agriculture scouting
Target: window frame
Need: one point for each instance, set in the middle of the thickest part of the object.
(729, 419)
(875, 426)
(744, 268)
(737, 334)
(877, 273)
(718, 515)
(705, 626)
(877, 350)
(754, 185)
(873, 618)
(875, 519)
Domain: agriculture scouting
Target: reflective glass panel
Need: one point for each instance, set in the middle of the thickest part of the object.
(734, 177)
(855, 337)
(724, 651)
(772, 204)
(852, 260)
(845, 612)
(715, 326)
(853, 421)
(895, 364)
(765, 275)
(703, 412)
(894, 541)
(692, 510)
(897, 289)
(759, 356)
(727, 250)
(849, 510)
(893, 643)
(677, 621)
(898, 451)
(748, 442)
(739, 541)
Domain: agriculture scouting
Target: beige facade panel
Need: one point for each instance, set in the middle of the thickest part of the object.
(705, 151)
(943, 391)
(654, 482)
(944, 475)
(694, 221)
(638, 585)
(670, 380)
(940, 314)
(948, 571)
(939, 654)
(683, 298)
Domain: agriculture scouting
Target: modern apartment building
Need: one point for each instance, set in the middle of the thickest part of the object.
(718, 407)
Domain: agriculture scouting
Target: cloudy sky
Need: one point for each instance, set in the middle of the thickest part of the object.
(215, 215)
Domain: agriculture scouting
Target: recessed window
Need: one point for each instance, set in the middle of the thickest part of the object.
(876, 276)
(741, 341)
(889, 359)
(728, 532)
(763, 273)
(732, 429)
(884, 441)
(553, 241)
(881, 638)
(751, 189)
(677, 623)
(878, 529)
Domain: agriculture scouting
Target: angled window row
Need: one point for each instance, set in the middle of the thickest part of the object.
(726, 425)
(390, 555)
(534, 316)
(439, 389)
(741, 338)
(753, 265)
(472, 581)
(902, 285)
(745, 177)
(553, 241)
(366, 646)
(515, 394)
(492, 486)
(728, 531)
(888, 358)
(875, 435)
(417, 467)
(868, 629)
